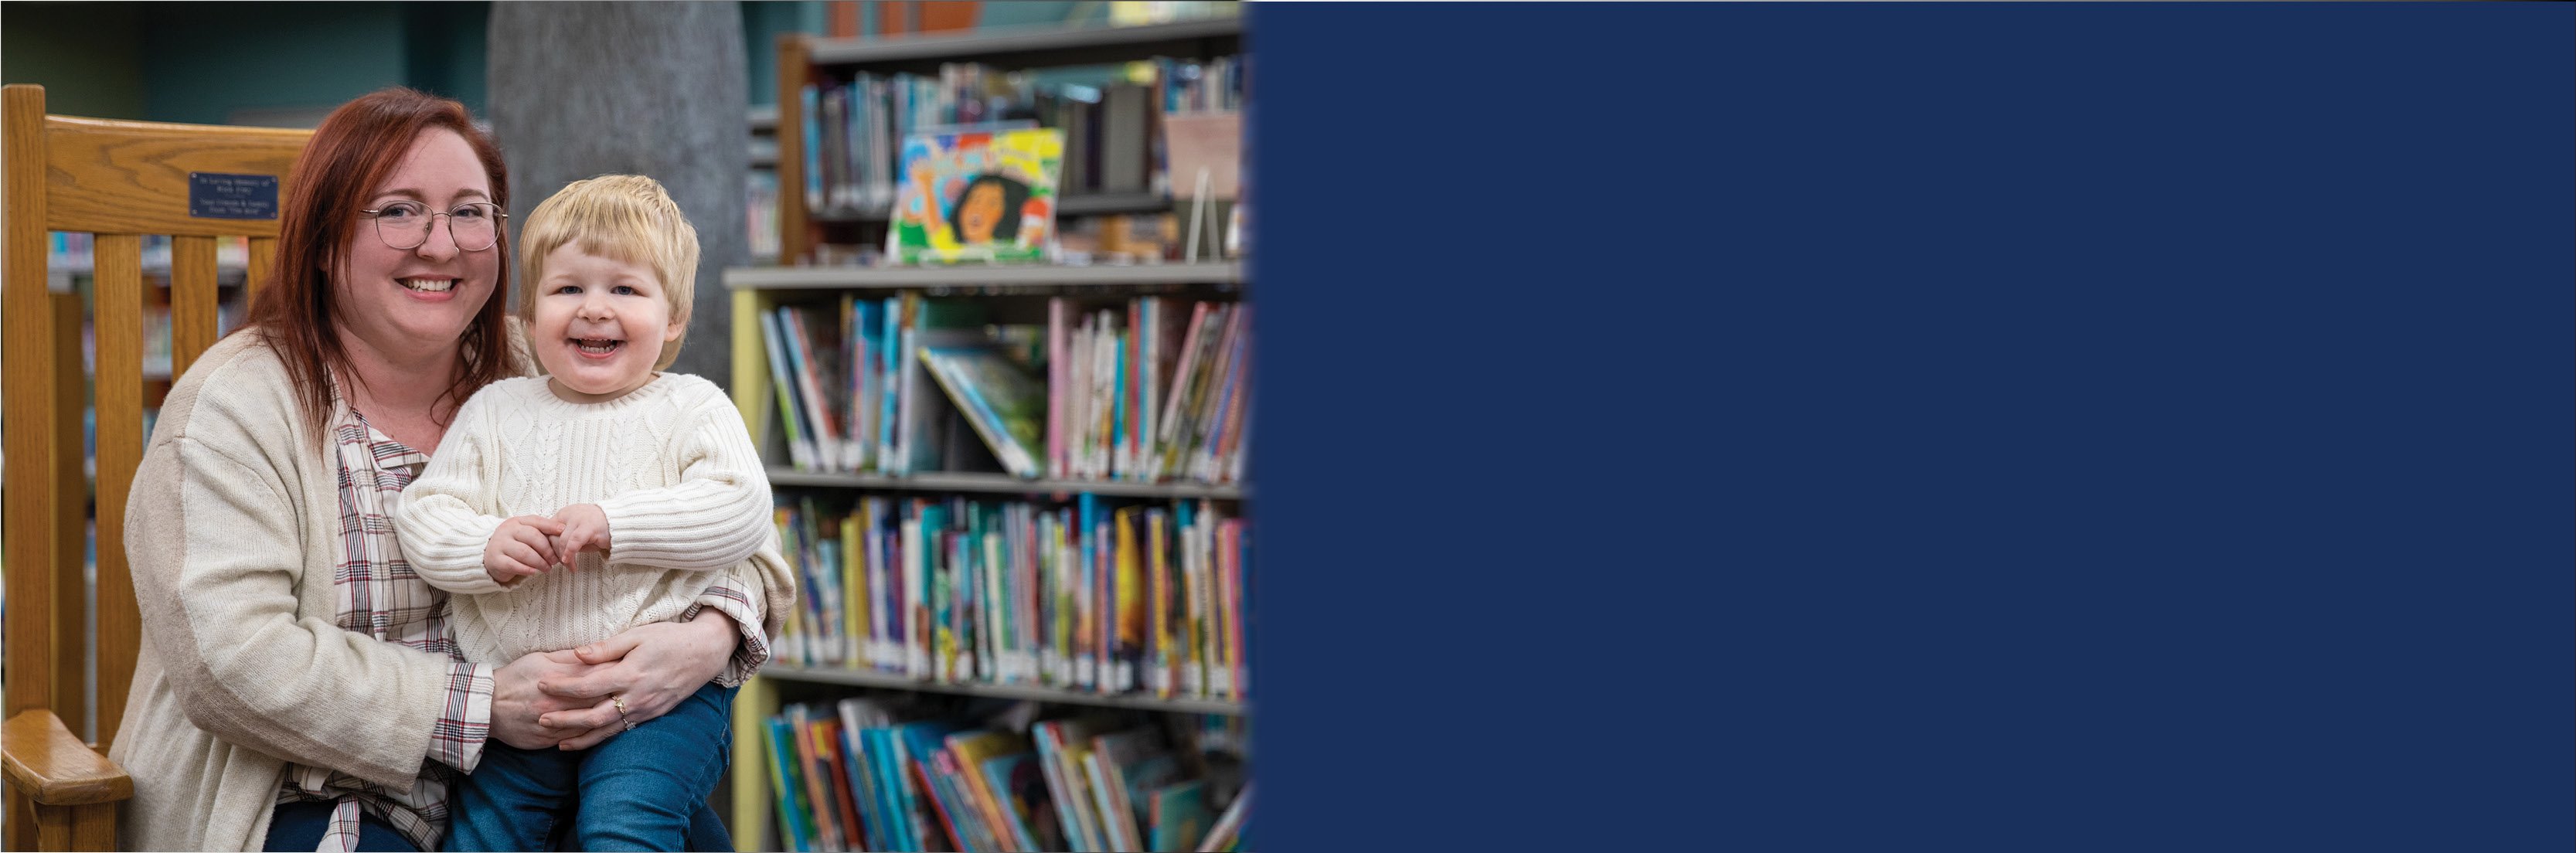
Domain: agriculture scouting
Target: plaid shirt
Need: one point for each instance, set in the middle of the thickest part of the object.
(381, 597)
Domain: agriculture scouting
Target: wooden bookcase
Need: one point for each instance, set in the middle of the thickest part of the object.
(801, 58)
(1015, 294)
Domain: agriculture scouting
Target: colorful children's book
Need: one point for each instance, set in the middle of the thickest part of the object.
(785, 777)
(1177, 815)
(914, 743)
(800, 445)
(951, 798)
(1063, 747)
(973, 749)
(977, 197)
(1131, 763)
(1028, 814)
(1229, 826)
(1128, 646)
(1005, 405)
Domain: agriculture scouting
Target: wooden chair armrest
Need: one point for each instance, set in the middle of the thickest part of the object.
(48, 764)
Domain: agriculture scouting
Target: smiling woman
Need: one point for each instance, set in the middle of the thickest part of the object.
(301, 687)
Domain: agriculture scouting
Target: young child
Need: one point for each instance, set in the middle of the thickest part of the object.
(564, 508)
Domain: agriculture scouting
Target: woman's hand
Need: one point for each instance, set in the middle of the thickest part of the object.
(653, 667)
(518, 705)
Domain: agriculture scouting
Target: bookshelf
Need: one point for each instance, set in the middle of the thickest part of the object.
(802, 59)
(863, 678)
(942, 481)
(968, 277)
(1007, 295)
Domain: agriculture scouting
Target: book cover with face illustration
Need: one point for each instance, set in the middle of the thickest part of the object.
(987, 197)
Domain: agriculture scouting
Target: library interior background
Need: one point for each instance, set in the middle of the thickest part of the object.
(974, 274)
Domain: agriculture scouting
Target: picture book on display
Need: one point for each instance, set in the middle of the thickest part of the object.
(985, 196)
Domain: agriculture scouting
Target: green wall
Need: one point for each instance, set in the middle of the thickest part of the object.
(271, 63)
(206, 63)
(88, 56)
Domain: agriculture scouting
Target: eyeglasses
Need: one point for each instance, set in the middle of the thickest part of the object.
(474, 225)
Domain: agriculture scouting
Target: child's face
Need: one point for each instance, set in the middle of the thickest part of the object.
(599, 324)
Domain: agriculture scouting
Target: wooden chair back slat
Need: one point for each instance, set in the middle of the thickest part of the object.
(34, 434)
(117, 180)
(119, 300)
(192, 299)
(263, 257)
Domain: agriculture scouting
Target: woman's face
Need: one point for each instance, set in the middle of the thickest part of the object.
(980, 213)
(404, 301)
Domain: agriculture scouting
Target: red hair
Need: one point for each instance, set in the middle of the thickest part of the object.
(353, 150)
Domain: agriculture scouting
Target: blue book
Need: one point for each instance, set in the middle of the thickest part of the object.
(890, 391)
(801, 368)
(863, 792)
(788, 778)
(1003, 403)
(912, 743)
(1010, 778)
(1177, 816)
(1092, 670)
(867, 378)
(800, 449)
(885, 776)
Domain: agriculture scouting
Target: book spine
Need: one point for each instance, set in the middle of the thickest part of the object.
(916, 590)
(1057, 381)
(800, 452)
(1180, 380)
(853, 591)
(811, 404)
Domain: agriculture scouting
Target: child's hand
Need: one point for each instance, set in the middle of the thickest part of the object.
(585, 528)
(519, 548)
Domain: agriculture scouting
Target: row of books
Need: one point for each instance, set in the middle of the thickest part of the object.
(1196, 87)
(1088, 597)
(851, 776)
(1147, 389)
(854, 128)
(1152, 393)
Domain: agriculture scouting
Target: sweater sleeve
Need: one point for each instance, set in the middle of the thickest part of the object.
(218, 555)
(717, 514)
(442, 523)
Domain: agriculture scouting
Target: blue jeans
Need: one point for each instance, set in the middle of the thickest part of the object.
(299, 826)
(638, 790)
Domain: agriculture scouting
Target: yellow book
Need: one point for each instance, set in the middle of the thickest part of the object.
(971, 750)
(1129, 593)
(855, 592)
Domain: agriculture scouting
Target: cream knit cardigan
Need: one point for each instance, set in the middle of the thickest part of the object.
(669, 463)
(232, 529)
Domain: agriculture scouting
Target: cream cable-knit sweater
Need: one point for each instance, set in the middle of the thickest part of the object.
(670, 464)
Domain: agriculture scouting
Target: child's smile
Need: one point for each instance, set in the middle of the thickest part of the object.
(605, 321)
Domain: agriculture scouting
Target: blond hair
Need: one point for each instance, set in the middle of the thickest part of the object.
(628, 218)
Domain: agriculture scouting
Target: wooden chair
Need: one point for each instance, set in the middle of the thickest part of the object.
(117, 180)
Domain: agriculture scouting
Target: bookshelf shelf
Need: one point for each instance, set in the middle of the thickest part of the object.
(862, 278)
(1087, 204)
(1006, 484)
(1037, 47)
(864, 678)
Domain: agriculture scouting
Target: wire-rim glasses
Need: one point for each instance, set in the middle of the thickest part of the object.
(474, 225)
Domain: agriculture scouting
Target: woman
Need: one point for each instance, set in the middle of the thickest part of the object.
(298, 687)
